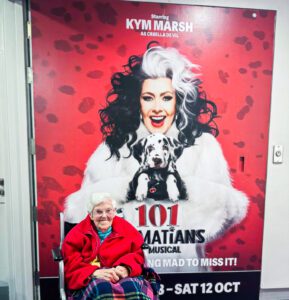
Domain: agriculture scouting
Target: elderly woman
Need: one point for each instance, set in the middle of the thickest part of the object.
(103, 255)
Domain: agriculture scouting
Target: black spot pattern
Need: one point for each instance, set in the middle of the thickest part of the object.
(87, 128)
(96, 74)
(106, 13)
(62, 45)
(86, 104)
(72, 171)
(40, 152)
(67, 89)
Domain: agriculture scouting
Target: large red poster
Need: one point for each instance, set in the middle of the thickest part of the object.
(78, 46)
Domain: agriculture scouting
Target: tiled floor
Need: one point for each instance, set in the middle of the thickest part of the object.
(274, 294)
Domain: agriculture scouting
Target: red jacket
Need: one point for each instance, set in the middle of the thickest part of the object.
(82, 245)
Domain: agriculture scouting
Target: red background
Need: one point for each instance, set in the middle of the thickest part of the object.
(77, 45)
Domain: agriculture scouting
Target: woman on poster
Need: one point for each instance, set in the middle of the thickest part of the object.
(159, 93)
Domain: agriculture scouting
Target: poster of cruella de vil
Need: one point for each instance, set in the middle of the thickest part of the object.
(166, 107)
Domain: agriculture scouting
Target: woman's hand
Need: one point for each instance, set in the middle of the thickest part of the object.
(107, 274)
(122, 271)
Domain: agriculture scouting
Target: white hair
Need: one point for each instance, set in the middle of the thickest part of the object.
(98, 198)
(168, 62)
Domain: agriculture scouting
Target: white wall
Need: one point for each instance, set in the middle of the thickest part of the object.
(15, 212)
(275, 265)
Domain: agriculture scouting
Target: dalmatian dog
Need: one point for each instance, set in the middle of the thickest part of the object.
(157, 177)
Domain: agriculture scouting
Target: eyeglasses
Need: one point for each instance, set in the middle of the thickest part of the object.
(99, 212)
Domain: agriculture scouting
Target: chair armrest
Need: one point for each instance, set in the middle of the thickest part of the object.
(56, 254)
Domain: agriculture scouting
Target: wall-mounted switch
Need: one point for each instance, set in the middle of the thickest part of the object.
(2, 192)
(277, 154)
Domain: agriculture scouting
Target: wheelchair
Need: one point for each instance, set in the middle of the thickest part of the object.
(65, 227)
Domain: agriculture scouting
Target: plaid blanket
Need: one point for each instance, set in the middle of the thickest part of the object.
(130, 288)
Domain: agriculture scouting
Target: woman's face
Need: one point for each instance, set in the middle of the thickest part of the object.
(158, 104)
(102, 215)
